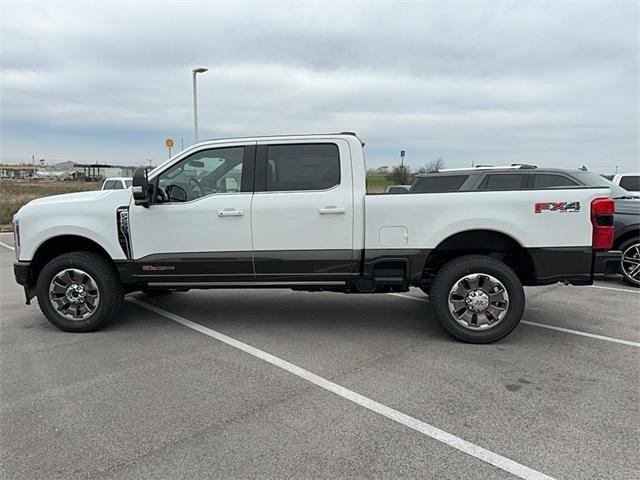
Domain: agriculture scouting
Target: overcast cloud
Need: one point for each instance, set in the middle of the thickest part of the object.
(493, 82)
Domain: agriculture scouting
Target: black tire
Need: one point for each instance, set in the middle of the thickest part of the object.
(455, 270)
(111, 293)
(625, 248)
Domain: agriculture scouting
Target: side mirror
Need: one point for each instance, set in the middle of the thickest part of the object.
(231, 184)
(176, 193)
(140, 187)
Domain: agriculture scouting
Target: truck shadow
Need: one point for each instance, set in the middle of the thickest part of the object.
(262, 309)
(286, 314)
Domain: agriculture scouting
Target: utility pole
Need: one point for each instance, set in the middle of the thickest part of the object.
(194, 72)
(402, 167)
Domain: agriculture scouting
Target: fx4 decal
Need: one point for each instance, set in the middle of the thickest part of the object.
(561, 207)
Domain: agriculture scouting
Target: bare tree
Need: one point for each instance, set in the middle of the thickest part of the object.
(432, 166)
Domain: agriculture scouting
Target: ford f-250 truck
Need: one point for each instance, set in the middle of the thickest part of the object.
(293, 212)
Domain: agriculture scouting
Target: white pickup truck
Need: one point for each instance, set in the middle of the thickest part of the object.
(293, 212)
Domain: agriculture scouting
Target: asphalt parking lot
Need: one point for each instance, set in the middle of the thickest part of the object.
(281, 384)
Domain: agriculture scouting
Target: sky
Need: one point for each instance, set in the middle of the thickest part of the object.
(550, 83)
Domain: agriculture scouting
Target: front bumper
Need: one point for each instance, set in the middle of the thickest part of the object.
(607, 264)
(21, 272)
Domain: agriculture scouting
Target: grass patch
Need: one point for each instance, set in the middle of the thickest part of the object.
(377, 183)
(14, 194)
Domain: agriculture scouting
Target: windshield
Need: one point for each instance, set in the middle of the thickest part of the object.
(592, 179)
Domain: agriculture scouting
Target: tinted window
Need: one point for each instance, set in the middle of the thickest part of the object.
(109, 185)
(211, 171)
(630, 182)
(302, 167)
(117, 185)
(127, 183)
(543, 180)
(438, 183)
(505, 181)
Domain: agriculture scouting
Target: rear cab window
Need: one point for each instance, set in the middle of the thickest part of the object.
(299, 167)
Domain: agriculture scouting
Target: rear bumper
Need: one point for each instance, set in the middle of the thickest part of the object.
(607, 264)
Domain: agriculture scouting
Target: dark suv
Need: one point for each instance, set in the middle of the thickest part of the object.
(523, 177)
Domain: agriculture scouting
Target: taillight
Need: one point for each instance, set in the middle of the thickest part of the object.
(602, 210)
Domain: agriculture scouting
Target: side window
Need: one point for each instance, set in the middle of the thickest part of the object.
(549, 180)
(437, 183)
(630, 182)
(302, 167)
(203, 173)
(503, 181)
(109, 185)
(117, 185)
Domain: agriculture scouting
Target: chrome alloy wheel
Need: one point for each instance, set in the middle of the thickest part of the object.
(630, 262)
(74, 294)
(478, 301)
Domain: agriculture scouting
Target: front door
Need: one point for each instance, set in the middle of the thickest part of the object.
(302, 213)
(198, 228)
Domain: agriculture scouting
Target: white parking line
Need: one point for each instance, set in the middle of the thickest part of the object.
(7, 246)
(458, 443)
(544, 325)
(582, 334)
(409, 297)
(628, 290)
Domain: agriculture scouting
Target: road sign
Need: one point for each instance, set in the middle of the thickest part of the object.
(168, 142)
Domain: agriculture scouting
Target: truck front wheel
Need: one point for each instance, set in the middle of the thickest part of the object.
(79, 291)
(477, 299)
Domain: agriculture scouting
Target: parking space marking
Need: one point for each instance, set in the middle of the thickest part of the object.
(615, 289)
(582, 334)
(409, 297)
(449, 439)
(7, 246)
(545, 325)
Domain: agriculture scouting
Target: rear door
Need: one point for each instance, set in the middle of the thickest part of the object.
(302, 211)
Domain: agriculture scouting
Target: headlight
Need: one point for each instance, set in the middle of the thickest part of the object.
(16, 236)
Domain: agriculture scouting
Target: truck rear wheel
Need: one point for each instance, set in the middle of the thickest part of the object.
(477, 299)
(79, 292)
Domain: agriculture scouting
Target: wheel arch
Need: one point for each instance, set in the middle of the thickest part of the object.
(58, 245)
(487, 242)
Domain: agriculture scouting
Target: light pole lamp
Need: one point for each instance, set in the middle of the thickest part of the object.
(194, 72)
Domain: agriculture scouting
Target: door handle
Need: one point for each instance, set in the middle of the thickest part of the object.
(331, 210)
(230, 212)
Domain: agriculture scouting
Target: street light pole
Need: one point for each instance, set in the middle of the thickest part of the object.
(194, 72)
